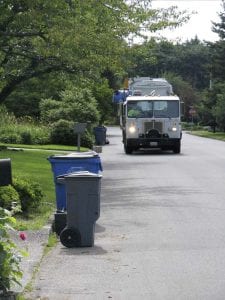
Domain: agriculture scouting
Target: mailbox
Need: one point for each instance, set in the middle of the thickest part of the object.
(80, 128)
(5, 172)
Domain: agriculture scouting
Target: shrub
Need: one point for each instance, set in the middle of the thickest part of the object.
(22, 130)
(30, 194)
(87, 140)
(6, 118)
(22, 195)
(9, 259)
(33, 133)
(9, 198)
(10, 138)
(62, 133)
(26, 138)
(76, 104)
(44, 139)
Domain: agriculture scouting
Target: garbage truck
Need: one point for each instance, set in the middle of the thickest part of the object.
(150, 116)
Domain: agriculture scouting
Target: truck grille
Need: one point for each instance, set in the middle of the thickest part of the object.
(153, 125)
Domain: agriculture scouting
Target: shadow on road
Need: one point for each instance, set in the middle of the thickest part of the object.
(99, 228)
(152, 152)
(96, 250)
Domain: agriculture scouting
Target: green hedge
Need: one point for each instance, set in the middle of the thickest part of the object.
(23, 195)
(62, 133)
(30, 194)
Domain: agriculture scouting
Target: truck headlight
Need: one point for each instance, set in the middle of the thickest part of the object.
(174, 129)
(132, 129)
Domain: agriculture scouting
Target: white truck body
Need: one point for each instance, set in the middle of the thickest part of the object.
(150, 86)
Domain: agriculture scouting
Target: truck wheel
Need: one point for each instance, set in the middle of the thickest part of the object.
(127, 150)
(176, 148)
(70, 237)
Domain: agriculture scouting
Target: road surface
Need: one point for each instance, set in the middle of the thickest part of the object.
(161, 234)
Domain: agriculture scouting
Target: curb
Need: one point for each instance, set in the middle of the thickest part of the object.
(35, 243)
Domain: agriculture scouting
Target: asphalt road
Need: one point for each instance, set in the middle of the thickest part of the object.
(161, 234)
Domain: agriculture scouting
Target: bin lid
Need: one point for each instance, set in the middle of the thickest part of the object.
(79, 174)
(83, 174)
(75, 155)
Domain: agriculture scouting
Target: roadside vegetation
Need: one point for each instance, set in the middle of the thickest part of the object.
(32, 190)
(209, 134)
(63, 69)
(203, 131)
(56, 71)
(27, 204)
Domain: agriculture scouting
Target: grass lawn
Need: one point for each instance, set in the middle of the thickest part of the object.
(217, 135)
(44, 147)
(34, 165)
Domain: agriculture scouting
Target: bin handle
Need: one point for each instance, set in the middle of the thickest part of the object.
(60, 180)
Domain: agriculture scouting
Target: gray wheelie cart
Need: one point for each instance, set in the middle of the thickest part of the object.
(83, 208)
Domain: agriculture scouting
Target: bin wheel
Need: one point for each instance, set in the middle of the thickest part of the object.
(70, 237)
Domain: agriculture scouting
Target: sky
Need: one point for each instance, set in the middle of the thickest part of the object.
(199, 24)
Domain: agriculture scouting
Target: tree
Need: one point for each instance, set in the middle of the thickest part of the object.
(152, 58)
(219, 28)
(189, 60)
(76, 105)
(212, 106)
(75, 36)
(25, 99)
(193, 63)
(208, 108)
(219, 111)
(218, 48)
(103, 96)
(24, 28)
(185, 91)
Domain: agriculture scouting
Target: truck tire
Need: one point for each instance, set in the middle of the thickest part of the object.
(127, 149)
(177, 148)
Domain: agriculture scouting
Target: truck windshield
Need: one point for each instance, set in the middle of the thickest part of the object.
(150, 109)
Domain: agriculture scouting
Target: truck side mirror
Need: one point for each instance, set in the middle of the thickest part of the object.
(5, 172)
(181, 109)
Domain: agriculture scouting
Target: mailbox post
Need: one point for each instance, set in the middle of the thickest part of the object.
(79, 129)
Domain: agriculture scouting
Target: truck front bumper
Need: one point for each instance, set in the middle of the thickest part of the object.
(165, 143)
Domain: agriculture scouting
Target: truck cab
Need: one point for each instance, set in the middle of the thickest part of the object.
(151, 122)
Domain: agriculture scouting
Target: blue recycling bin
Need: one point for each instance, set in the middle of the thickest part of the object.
(72, 162)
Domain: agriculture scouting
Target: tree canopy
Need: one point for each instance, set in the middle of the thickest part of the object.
(80, 37)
